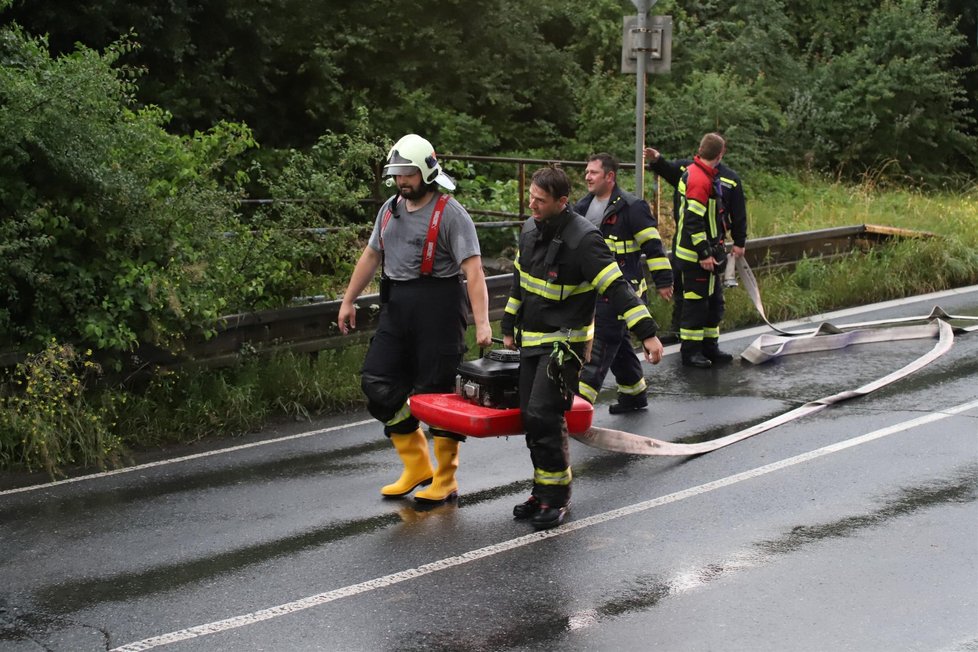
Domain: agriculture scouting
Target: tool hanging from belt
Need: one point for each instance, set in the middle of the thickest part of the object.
(564, 369)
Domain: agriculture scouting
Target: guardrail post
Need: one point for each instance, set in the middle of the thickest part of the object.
(521, 173)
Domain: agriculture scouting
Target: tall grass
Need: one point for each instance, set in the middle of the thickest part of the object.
(815, 286)
(779, 205)
(191, 404)
(46, 421)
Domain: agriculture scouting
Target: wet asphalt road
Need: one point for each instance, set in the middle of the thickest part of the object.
(779, 542)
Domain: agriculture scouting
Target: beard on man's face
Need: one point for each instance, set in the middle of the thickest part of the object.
(414, 192)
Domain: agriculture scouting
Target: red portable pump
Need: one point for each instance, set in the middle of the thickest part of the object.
(486, 400)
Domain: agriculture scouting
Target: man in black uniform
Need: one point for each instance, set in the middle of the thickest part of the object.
(562, 265)
(422, 240)
(733, 214)
(629, 229)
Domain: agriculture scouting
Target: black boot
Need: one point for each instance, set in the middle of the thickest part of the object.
(629, 403)
(549, 517)
(692, 354)
(527, 509)
(711, 351)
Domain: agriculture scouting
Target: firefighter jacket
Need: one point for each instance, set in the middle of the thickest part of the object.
(629, 230)
(700, 226)
(562, 264)
(733, 203)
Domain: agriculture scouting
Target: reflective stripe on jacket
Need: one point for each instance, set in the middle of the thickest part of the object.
(629, 229)
(555, 302)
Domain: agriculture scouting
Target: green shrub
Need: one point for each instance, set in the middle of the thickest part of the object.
(111, 230)
(892, 105)
(47, 422)
(276, 255)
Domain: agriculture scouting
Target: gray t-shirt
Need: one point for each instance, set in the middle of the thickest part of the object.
(405, 236)
(595, 212)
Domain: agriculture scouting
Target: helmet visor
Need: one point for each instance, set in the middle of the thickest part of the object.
(397, 164)
(394, 170)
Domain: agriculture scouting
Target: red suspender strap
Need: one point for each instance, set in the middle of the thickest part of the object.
(428, 253)
(391, 207)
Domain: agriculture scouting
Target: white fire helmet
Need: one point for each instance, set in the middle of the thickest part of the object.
(413, 153)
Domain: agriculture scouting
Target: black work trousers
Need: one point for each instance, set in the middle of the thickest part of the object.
(416, 349)
(703, 305)
(612, 351)
(543, 407)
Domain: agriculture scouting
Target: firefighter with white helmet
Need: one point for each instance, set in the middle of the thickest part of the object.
(419, 339)
(412, 152)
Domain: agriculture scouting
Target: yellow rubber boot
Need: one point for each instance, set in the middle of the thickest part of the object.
(413, 449)
(445, 486)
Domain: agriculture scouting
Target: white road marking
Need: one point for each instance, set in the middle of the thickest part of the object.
(186, 458)
(669, 350)
(497, 548)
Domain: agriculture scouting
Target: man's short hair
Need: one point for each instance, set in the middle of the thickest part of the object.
(711, 146)
(608, 162)
(552, 181)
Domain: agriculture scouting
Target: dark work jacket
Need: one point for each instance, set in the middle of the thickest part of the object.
(629, 230)
(734, 205)
(555, 302)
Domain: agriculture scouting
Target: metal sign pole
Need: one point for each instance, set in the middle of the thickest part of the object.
(642, 27)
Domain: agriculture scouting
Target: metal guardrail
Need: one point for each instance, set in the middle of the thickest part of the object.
(520, 164)
(781, 250)
(313, 327)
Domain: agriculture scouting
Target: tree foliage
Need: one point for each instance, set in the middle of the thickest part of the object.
(814, 84)
(892, 97)
(116, 233)
(123, 164)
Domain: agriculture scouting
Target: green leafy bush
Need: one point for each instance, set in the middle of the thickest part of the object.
(307, 241)
(116, 233)
(47, 422)
(892, 105)
(111, 226)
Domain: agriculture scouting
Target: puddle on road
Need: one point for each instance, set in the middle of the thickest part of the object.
(517, 488)
(534, 624)
(74, 596)
(963, 489)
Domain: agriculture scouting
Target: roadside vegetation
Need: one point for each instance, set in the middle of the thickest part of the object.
(133, 138)
(49, 421)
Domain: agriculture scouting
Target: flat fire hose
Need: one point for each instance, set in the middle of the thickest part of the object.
(767, 347)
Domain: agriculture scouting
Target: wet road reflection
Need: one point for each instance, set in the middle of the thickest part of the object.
(645, 592)
(224, 538)
(72, 596)
(343, 460)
